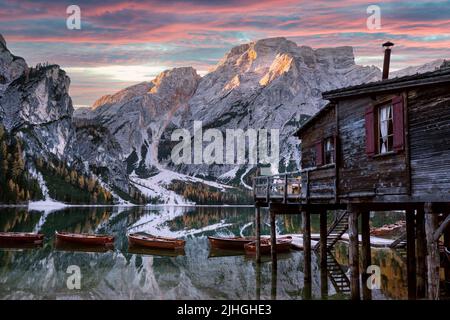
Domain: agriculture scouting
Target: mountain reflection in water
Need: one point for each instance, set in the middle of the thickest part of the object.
(40, 273)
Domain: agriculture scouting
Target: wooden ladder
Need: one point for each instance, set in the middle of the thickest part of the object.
(337, 275)
(336, 231)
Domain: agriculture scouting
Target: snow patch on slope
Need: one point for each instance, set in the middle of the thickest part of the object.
(156, 186)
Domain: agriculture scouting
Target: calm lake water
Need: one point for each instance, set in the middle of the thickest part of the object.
(198, 274)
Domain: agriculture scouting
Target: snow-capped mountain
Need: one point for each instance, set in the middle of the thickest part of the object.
(35, 105)
(271, 83)
(126, 137)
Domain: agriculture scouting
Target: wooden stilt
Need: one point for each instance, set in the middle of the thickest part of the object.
(273, 239)
(353, 251)
(258, 234)
(258, 280)
(433, 259)
(366, 254)
(411, 253)
(323, 255)
(306, 222)
(447, 264)
(307, 244)
(421, 249)
(274, 280)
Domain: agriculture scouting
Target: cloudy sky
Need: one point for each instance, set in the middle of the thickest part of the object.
(121, 43)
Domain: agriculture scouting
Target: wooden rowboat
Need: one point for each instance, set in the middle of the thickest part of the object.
(154, 242)
(283, 245)
(84, 238)
(21, 237)
(231, 243)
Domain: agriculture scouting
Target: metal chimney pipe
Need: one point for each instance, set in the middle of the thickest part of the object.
(387, 59)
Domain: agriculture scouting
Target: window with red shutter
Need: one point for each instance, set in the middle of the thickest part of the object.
(319, 153)
(399, 128)
(370, 131)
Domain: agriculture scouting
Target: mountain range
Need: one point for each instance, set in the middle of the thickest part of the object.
(124, 139)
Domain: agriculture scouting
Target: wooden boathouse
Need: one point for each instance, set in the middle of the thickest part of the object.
(380, 146)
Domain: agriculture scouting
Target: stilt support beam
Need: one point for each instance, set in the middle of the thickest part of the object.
(366, 254)
(306, 222)
(433, 259)
(421, 254)
(353, 252)
(411, 253)
(323, 255)
(258, 234)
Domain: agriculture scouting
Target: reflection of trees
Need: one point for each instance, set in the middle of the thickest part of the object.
(205, 216)
(17, 219)
(393, 270)
(78, 220)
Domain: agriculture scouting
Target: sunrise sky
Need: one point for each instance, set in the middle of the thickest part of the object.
(121, 43)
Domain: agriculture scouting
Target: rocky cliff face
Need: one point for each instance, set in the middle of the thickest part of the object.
(35, 103)
(273, 84)
(137, 116)
(36, 106)
(270, 83)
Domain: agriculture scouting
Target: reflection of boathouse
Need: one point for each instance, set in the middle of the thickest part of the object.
(374, 147)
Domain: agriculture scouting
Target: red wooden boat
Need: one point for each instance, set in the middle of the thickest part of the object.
(85, 239)
(283, 245)
(21, 237)
(154, 242)
(230, 243)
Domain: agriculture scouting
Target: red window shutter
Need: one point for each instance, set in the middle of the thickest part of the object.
(319, 153)
(399, 127)
(370, 131)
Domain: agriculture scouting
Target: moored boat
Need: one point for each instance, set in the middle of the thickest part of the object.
(282, 245)
(230, 243)
(84, 238)
(21, 237)
(155, 242)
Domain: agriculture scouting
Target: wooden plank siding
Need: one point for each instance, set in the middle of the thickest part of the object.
(420, 172)
(319, 182)
(359, 173)
(417, 170)
(429, 129)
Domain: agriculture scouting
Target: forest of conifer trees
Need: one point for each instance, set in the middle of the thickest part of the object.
(16, 185)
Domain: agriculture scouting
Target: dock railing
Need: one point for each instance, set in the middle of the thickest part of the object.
(283, 187)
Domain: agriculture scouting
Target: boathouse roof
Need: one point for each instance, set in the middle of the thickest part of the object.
(429, 78)
(441, 75)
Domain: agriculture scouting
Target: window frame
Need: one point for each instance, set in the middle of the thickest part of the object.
(331, 152)
(390, 125)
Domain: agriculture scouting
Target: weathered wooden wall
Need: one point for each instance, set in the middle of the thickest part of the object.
(320, 183)
(429, 127)
(360, 174)
(419, 173)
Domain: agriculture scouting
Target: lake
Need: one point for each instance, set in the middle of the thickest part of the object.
(41, 273)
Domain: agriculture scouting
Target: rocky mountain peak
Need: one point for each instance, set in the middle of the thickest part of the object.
(183, 80)
(2, 41)
(11, 67)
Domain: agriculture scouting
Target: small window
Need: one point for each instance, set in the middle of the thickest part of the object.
(329, 150)
(385, 129)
